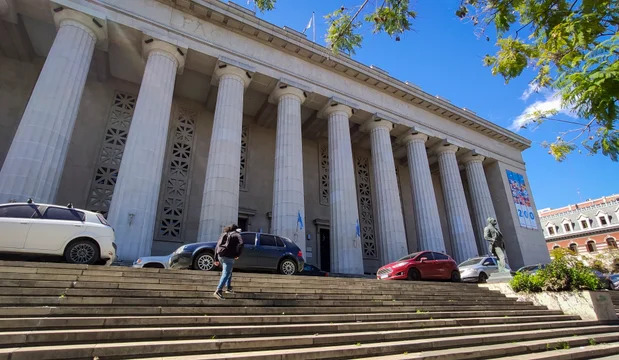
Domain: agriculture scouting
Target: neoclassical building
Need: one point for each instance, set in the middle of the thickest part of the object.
(175, 117)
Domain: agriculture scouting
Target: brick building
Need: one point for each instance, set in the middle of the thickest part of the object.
(587, 227)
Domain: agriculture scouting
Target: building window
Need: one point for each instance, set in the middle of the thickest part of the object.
(243, 169)
(556, 247)
(591, 246)
(366, 214)
(567, 227)
(111, 152)
(574, 248)
(171, 215)
(323, 160)
(612, 243)
(603, 221)
(551, 230)
(584, 224)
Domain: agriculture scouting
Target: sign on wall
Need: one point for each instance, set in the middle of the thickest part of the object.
(526, 216)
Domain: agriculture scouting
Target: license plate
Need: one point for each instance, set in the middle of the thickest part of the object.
(383, 276)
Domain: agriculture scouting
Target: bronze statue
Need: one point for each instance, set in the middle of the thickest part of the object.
(493, 235)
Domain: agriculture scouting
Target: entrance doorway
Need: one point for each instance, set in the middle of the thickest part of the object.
(325, 249)
(242, 223)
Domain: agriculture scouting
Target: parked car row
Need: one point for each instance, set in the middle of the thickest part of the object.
(85, 237)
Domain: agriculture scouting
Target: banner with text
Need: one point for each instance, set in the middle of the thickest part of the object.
(526, 216)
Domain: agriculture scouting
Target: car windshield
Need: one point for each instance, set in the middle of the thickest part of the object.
(614, 277)
(409, 256)
(472, 261)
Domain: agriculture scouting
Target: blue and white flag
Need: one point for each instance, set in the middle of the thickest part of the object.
(358, 229)
(299, 220)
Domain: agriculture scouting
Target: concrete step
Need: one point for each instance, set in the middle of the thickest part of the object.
(51, 280)
(209, 300)
(299, 289)
(77, 310)
(58, 291)
(396, 320)
(571, 352)
(348, 345)
(579, 348)
(364, 332)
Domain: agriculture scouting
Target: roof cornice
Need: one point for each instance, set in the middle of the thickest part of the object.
(244, 21)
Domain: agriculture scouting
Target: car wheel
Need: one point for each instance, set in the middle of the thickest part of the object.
(414, 275)
(455, 276)
(482, 277)
(204, 262)
(82, 252)
(287, 267)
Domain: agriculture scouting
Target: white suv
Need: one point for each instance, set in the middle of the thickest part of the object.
(82, 237)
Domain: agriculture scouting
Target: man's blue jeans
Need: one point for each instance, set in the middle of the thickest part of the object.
(226, 274)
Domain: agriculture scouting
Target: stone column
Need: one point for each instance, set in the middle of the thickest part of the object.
(288, 195)
(480, 196)
(427, 220)
(390, 222)
(134, 204)
(458, 218)
(35, 161)
(220, 198)
(346, 254)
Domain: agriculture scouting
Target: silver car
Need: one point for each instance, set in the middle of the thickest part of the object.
(479, 269)
(161, 262)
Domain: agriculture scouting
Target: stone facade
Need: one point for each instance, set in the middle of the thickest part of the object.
(197, 114)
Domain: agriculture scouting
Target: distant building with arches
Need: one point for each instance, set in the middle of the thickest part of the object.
(587, 227)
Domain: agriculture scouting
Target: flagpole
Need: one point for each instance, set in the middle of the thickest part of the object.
(313, 27)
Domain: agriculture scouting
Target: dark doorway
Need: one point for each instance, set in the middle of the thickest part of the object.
(242, 223)
(325, 250)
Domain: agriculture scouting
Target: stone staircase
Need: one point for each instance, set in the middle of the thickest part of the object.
(614, 295)
(61, 311)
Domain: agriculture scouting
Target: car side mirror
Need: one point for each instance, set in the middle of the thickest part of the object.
(423, 259)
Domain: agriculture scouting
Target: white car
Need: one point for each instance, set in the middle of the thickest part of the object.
(479, 269)
(82, 237)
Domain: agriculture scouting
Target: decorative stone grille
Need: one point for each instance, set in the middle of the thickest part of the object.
(111, 153)
(366, 212)
(176, 179)
(323, 159)
(243, 175)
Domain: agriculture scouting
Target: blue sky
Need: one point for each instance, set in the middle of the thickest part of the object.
(443, 56)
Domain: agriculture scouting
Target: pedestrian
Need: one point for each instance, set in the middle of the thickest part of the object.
(229, 248)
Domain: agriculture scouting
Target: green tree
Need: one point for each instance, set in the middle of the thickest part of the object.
(572, 46)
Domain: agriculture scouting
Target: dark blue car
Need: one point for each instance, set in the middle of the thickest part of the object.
(260, 252)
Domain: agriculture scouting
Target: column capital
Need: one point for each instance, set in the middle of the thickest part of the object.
(335, 107)
(374, 123)
(445, 148)
(225, 67)
(282, 89)
(94, 24)
(472, 157)
(151, 45)
(412, 137)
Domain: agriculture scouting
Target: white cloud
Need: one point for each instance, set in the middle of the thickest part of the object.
(532, 89)
(552, 101)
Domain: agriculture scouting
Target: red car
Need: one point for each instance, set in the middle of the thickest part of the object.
(421, 265)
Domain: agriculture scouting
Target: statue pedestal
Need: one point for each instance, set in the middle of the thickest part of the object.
(500, 277)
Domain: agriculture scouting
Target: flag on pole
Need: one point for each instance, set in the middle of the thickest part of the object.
(311, 24)
(358, 229)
